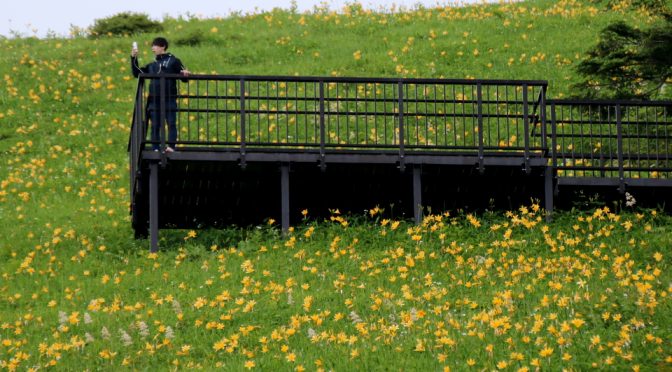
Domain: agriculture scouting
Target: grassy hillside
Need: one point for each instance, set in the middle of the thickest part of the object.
(484, 292)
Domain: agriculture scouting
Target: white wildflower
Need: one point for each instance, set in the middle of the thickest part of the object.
(177, 308)
(290, 299)
(169, 333)
(104, 333)
(87, 318)
(125, 338)
(62, 317)
(630, 200)
(143, 329)
(355, 318)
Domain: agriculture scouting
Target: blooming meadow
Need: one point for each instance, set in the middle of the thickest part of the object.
(506, 292)
(495, 290)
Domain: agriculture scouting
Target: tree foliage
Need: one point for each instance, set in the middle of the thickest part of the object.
(126, 23)
(629, 63)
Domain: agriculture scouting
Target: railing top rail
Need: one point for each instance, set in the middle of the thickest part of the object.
(579, 102)
(348, 79)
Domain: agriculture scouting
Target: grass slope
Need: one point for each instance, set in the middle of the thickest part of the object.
(494, 291)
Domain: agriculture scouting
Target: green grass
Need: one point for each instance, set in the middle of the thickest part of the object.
(376, 298)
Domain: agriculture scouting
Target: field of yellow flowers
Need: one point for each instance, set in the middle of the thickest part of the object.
(461, 291)
(505, 292)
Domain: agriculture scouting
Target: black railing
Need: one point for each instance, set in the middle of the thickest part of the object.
(482, 118)
(612, 139)
(427, 114)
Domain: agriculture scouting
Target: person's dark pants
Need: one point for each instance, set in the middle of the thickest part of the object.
(171, 119)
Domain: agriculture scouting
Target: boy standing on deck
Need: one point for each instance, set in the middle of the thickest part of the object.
(164, 63)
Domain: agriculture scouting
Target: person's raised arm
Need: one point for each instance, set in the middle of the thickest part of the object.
(137, 70)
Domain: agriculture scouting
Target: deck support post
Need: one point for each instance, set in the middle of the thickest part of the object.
(417, 193)
(284, 197)
(154, 206)
(548, 192)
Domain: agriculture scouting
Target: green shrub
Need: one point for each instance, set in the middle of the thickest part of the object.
(192, 38)
(125, 23)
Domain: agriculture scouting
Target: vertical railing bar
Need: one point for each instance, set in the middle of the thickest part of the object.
(287, 109)
(487, 141)
(400, 107)
(385, 106)
(242, 120)
(526, 127)
(162, 113)
(321, 119)
(464, 118)
(619, 146)
(445, 115)
(542, 115)
(198, 121)
(277, 115)
(436, 120)
(415, 119)
(474, 119)
(217, 102)
(479, 110)
(554, 138)
(375, 110)
(498, 121)
(338, 110)
(207, 109)
(455, 118)
(507, 125)
(517, 122)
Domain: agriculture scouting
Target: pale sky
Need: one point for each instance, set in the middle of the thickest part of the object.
(39, 17)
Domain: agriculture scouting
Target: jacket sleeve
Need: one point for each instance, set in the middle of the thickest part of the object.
(179, 67)
(137, 70)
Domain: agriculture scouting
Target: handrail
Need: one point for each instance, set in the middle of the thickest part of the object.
(342, 79)
(249, 112)
(136, 138)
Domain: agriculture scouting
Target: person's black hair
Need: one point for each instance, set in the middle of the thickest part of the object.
(160, 41)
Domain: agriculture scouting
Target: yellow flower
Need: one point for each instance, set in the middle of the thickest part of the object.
(546, 352)
(249, 364)
(658, 256)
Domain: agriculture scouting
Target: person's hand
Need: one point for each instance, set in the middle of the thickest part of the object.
(185, 72)
(134, 53)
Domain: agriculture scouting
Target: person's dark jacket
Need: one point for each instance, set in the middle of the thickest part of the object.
(163, 64)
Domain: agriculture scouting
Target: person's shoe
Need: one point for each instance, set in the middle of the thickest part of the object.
(169, 150)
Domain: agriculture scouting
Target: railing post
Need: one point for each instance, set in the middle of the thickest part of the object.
(162, 119)
(417, 193)
(402, 165)
(243, 164)
(479, 113)
(542, 116)
(284, 197)
(526, 127)
(154, 206)
(554, 139)
(619, 146)
(323, 164)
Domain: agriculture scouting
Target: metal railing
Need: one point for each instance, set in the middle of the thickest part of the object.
(612, 139)
(316, 112)
(481, 118)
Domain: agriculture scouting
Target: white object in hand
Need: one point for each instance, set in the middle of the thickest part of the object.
(135, 45)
